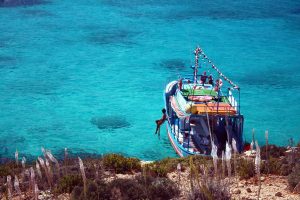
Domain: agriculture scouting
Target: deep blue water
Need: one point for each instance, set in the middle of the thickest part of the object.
(89, 75)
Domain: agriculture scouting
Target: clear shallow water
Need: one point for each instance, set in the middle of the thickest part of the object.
(67, 66)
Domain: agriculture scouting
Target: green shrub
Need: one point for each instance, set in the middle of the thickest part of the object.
(156, 170)
(245, 168)
(138, 188)
(286, 169)
(273, 151)
(10, 168)
(294, 177)
(121, 164)
(273, 166)
(211, 190)
(163, 167)
(97, 190)
(77, 193)
(68, 183)
(128, 189)
(162, 188)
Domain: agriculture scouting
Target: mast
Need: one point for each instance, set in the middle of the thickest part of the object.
(196, 52)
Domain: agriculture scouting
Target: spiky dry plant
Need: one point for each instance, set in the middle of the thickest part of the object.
(179, 173)
(257, 167)
(203, 170)
(32, 179)
(267, 156)
(17, 186)
(26, 175)
(96, 167)
(235, 152)
(9, 187)
(42, 163)
(52, 158)
(49, 170)
(36, 192)
(228, 158)
(38, 169)
(44, 152)
(65, 160)
(252, 142)
(223, 164)
(191, 177)
(81, 167)
(17, 157)
(214, 155)
(65, 156)
(23, 162)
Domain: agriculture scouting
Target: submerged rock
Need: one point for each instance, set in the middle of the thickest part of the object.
(110, 122)
(15, 3)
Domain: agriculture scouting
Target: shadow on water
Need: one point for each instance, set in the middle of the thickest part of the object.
(37, 13)
(2, 44)
(110, 123)
(296, 11)
(173, 64)
(114, 36)
(188, 9)
(275, 79)
(7, 62)
(16, 3)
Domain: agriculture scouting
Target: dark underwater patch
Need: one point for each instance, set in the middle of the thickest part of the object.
(173, 64)
(2, 44)
(296, 11)
(37, 13)
(7, 62)
(6, 59)
(273, 79)
(116, 36)
(16, 3)
(111, 122)
(183, 10)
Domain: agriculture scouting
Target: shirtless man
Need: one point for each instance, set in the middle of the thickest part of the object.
(160, 121)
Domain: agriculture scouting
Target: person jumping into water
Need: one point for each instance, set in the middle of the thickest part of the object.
(160, 121)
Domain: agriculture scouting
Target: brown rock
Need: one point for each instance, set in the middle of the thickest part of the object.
(262, 179)
(297, 189)
(248, 190)
(278, 194)
(237, 191)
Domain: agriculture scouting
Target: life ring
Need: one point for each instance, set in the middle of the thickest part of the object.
(200, 98)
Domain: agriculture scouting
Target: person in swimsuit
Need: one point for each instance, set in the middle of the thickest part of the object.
(210, 80)
(203, 78)
(160, 121)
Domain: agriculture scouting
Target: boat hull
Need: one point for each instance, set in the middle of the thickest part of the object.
(182, 152)
(221, 128)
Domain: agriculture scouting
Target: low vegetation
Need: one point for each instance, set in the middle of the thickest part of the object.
(99, 177)
(121, 164)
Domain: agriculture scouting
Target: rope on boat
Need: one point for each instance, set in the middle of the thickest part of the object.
(199, 50)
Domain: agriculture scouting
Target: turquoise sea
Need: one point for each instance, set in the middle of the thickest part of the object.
(89, 75)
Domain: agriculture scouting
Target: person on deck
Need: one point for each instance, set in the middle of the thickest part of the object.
(160, 121)
(210, 80)
(203, 78)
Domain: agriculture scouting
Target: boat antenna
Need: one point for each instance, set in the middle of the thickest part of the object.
(197, 51)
